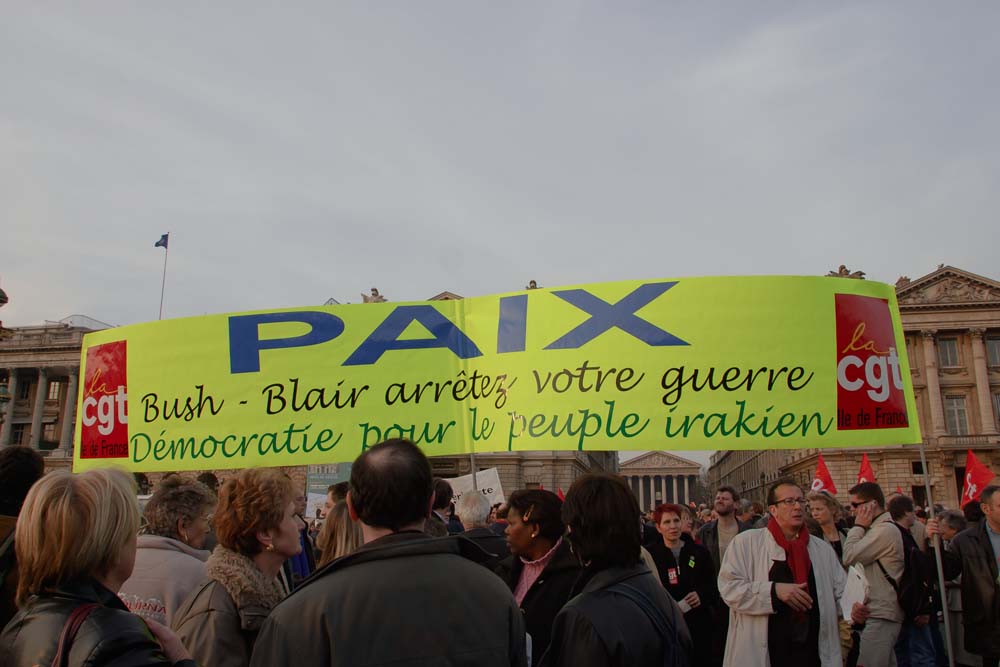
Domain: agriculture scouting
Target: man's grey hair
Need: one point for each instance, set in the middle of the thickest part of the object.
(954, 520)
(473, 509)
(746, 505)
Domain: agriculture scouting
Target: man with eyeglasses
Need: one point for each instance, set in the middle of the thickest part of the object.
(877, 544)
(783, 588)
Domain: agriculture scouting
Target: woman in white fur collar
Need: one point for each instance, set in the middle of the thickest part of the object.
(257, 529)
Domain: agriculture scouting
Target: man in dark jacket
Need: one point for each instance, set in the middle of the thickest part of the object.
(618, 615)
(431, 604)
(715, 536)
(474, 509)
(975, 554)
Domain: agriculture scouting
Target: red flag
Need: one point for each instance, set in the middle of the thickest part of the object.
(823, 480)
(977, 477)
(866, 474)
(562, 496)
(899, 490)
(541, 487)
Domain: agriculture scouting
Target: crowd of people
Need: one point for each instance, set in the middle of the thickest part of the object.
(398, 573)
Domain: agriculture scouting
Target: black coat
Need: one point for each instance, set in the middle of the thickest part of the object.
(599, 627)
(971, 555)
(546, 596)
(491, 543)
(110, 637)
(405, 598)
(694, 572)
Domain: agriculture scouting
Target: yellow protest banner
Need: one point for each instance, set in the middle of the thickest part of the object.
(690, 363)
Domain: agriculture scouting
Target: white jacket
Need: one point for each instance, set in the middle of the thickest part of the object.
(744, 586)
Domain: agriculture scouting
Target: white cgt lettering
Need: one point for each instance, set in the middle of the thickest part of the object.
(879, 372)
(106, 408)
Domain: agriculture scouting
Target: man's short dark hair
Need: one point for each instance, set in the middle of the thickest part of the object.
(338, 491)
(540, 507)
(730, 490)
(772, 495)
(443, 493)
(20, 468)
(987, 495)
(899, 507)
(603, 517)
(973, 511)
(868, 491)
(391, 485)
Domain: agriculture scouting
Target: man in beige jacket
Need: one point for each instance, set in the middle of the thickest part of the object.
(875, 539)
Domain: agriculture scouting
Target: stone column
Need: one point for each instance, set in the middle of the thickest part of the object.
(673, 479)
(663, 488)
(933, 386)
(687, 489)
(982, 382)
(642, 493)
(8, 417)
(68, 415)
(36, 414)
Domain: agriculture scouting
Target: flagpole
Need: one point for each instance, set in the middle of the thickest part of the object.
(163, 283)
(937, 558)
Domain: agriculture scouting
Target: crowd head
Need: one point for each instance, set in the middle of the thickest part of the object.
(76, 527)
(534, 522)
(391, 486)
(20, 468)
(474, 509)
(786, 504)
(256, 512)
(602, 519)
(180, 509)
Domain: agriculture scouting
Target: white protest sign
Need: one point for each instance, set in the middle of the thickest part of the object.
(488, 483)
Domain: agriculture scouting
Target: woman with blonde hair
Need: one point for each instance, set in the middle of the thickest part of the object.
(258, 530)
(170, 560)
(339, 536)
(76, 541)
(825, 510)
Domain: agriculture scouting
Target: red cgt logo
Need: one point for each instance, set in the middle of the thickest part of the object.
(104, 434)
(869, 380)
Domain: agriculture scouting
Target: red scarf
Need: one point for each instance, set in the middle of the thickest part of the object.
(796, 551)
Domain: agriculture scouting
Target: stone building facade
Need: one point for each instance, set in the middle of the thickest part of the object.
(951, 321)
(661, 477)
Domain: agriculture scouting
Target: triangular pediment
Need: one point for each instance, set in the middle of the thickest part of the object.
(653, 460)
(948, 286)
(445, 296)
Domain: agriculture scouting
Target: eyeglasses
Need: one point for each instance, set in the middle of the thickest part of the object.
(791, 502)
(859, 504)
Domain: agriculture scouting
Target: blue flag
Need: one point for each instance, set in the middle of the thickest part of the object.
(162, 243)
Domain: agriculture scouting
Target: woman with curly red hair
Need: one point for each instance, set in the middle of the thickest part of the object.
(257, 529)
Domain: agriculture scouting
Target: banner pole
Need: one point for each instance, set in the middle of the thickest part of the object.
(163, 283)
(938, 545)
(472, 462)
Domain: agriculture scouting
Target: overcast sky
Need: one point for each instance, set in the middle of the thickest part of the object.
(297, 155)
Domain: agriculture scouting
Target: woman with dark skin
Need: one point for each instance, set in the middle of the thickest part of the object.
(541, 569)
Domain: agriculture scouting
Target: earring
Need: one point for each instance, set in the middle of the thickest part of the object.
(184, 536)
(269, 547)
(534, 535)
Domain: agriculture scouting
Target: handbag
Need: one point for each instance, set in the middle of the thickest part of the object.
(68, 634)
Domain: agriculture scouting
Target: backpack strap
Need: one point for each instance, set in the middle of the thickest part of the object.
(70, 628)
(656, 616)
(6, 554)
